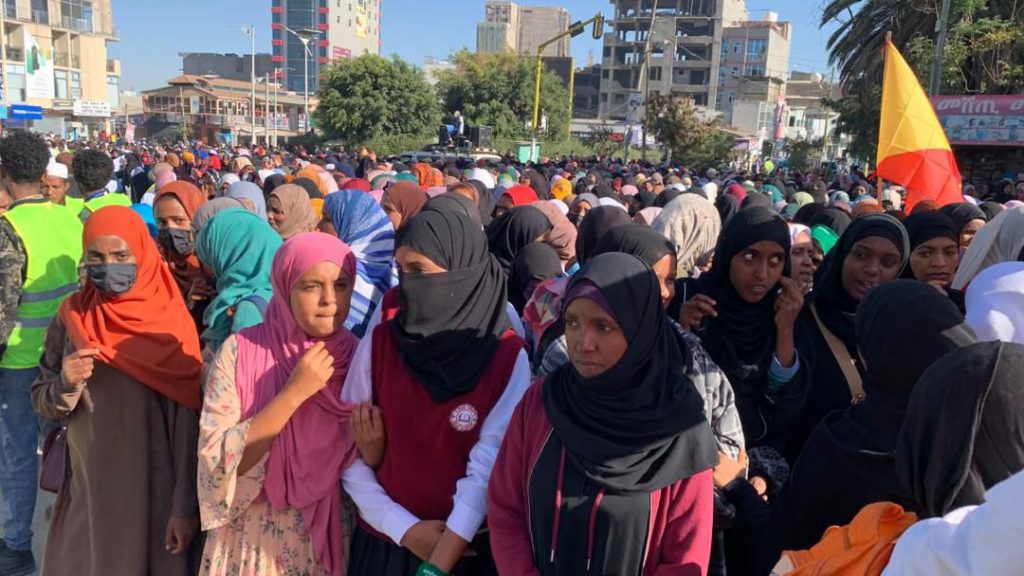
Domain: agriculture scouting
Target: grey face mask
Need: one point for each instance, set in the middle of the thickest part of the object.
(178, 240)
(112, 279)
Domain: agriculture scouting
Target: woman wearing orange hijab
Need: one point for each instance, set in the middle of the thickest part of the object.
(173, 208)
(121, 368)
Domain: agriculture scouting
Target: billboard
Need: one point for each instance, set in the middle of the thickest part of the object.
(38, 67)
(981, 120)
(362, 19)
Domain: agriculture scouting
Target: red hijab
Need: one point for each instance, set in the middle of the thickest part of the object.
(521, 195)
(145, 333)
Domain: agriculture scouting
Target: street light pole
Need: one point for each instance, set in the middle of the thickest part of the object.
(266, 109)
(305, 36)
(251, 31)
(942, 27)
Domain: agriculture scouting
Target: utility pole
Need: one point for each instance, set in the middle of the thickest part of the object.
(942, 27)
(251, 31)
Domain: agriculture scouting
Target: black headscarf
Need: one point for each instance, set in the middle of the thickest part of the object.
(806, 214)
(539, 184)
(741, 338)
(533, 264)
(727, 206)
(962, 213)
(450, 323)
(513, 231)
(485, 199)
(596, 224)
(638, 240)
(964, 430)
(272, 181)
(666, 196)
(834, 218)
(604, 191)
(646, 199)
(310, 187)
(991, 209)
(834, 304)
(924, 226)
(756, 199)
(639, 426)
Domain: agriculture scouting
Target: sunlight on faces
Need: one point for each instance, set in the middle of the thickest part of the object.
(54, 188)
(665, 270)
(801, 261)
(756, 269)
(108, 250)
(580, 209)
(935, 261)
(170, 214)
(504, 205)
(872, 261)
(412, 262)
(275, 213)
(394, 215)
(320, 299)
(595, 340)
(969, 231)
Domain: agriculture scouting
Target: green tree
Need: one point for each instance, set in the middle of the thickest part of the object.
(693, 141)
(802, 154)
(371, 97)
(497, 90)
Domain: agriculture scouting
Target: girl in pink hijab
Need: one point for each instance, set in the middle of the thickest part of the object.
(274, 436)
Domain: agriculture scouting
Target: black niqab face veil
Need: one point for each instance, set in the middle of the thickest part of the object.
(514, 230)
(450, 323)
(964, 431)
(639, 426)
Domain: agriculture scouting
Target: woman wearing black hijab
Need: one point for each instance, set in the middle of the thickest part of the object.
(646, 199)
(513, 231)
(484, 201)
(756, 199)
(964, 431)
(849, 460)
(666, 196)
(727, 206)
(968, 219)
(873, 250)
(272, 181)
(607, 462)
(744, 313)
(834, 218)
(312, 190)
(934, 249)
(598, 222)
(806, 214)
(539, 184)
(446, 374)
(991, 209)
(533, 264)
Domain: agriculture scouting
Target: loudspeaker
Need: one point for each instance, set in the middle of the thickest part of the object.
(482, 136)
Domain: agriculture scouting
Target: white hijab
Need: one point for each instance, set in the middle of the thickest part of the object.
(1001, 240)
(995, 303)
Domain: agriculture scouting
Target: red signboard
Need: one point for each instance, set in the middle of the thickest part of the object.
(339, 52)
(981, 120)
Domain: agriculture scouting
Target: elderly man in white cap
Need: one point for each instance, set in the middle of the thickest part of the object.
(55, 186)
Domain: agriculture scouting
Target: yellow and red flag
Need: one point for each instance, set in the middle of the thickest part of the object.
(912, 148)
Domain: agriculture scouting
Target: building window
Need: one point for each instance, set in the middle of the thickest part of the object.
(735, 71)
(16, 82)
(10, 8)
(114, 91)
(60, 82)
(41, 11)
(76, 85)
(736, 47)
(756, 49)
(76, 15)
(655, 74)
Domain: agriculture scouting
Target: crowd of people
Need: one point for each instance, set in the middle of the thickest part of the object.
(251, 361)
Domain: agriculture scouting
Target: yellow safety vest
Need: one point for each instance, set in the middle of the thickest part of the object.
(52, 237)
(74, 205)
(109, 199)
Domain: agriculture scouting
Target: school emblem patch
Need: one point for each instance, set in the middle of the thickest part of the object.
(463, 418)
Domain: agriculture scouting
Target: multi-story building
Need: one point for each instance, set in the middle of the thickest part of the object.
(226, 66)
(347, 28)
(508, 26)
(56, 73)
(663, 47)
(752, 50)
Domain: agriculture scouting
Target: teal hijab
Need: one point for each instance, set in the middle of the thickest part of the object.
(239, 247)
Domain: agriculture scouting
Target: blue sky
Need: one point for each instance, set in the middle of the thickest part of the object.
(151, 39)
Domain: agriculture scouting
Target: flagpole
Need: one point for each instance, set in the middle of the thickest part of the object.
(888, 40)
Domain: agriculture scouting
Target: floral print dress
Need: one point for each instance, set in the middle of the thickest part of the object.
(245, 535)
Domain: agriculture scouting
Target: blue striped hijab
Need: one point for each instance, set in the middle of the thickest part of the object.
(368, 231)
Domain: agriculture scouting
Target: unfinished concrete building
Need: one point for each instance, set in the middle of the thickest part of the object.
(663, 47)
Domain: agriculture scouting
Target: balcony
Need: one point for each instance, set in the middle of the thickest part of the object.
(41, 17)
(76, 24)
(14, 53)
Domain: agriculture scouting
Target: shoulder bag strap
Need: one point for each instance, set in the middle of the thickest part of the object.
(842, 356)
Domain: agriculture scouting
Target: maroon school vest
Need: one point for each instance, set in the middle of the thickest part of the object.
(428, 444)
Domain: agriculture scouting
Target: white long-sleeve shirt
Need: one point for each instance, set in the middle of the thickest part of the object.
(388, 517)
(974, 540)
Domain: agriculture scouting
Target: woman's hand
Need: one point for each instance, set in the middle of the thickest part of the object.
(180, 532)
(789, 303)
(422, 538)
(729, 469)
(199, 291)
(368, 432)
(694, 311)
(77, 367)
(312, 372)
